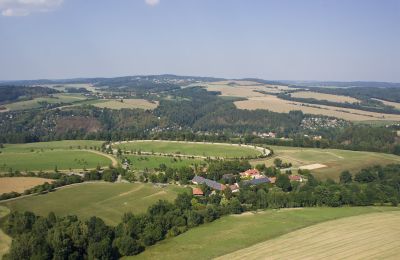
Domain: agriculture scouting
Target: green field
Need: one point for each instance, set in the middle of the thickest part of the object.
(198, 149)
(335, 160)
(47, 155)
(54, 99)
(235, 232)
(108, 201)
(141, 162)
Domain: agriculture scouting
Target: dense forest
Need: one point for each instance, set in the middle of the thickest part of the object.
(9, 93)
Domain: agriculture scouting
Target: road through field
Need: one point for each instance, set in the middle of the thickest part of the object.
(370, 236)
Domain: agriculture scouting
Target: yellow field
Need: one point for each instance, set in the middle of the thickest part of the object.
(388, 103)
(322, 96)
(370, 236)
(128, 103)
(5, 240)
(20, 184)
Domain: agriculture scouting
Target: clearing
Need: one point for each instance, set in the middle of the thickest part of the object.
(335, 160)
(190, 148)
(108, 201)
(127, 103)
(369, 236)
(20, 184)
(232, 233)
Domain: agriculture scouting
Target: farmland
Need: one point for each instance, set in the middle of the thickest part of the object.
(141, 162)
(335, 160)
(323, 96)
(351, 238)
(127, 103)
(48, 155)
(5, 240)
(20, 184)
(241, 231)
(108, 201)
(189, 148)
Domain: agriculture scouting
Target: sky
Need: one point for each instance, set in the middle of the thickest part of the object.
(341, 40)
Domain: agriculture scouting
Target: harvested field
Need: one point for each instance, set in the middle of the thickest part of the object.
(5, 240)
(322, 96)
(313, 166)
(127, 103)
(370, 236)
(389, 103)
(20, 184)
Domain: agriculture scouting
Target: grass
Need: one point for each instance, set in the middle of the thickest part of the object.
(5, 240)
(47, 155)
(370, 236)
(232, 233)
(335, 160)
(108, 201)
(198, 149)
(128, 103)
(141, 162)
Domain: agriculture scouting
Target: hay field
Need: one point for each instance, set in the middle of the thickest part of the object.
(335, 160)
(231, 233)
(108, 201)
(126, 104)
(5, 240)
(322, 96)
(189, 148)
(20, 184)
(370, 236)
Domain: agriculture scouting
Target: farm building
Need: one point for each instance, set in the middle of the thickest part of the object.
(197, 192)
(210, 183)
(234, 187)
(272, 180)
(257, 181)
(295, 178)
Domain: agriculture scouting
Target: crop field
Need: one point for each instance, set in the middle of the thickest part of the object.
(5, 240)
(235, 232)
(389, 103)
(141, 162)
(48, 155)
(34, 103)
(189, 148)
(108, 201)
(335, 160)
(20, 184)
(370, 236)
(127, 103)
(322, 96)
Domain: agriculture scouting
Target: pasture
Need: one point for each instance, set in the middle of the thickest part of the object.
(47, 155)
(235, 232)
(189, 148)
(20, 184)
(370, 236)
(141, 162)
(126, 104)
(335, 160)
(108, 201)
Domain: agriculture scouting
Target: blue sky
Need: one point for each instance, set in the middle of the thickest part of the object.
(295, 40)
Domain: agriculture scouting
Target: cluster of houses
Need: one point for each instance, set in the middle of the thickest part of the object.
(249, 177)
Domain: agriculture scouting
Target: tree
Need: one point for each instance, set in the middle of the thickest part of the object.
(283, 182)
(234, 206)
(127, 246)
(345, 177)
(278, 162)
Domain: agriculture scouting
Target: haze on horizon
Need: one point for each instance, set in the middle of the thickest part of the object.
(278, 40)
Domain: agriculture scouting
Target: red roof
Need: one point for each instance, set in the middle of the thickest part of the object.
(294, 177)
(272, 179)
(251, 172)
(197, 191)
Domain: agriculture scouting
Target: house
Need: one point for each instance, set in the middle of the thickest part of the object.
(210, 183)
(257, 181)
(197, 192)
(198, 180)
(234, 187)
(272, 180)
(250, 173)
(228, 177)
(295, 178)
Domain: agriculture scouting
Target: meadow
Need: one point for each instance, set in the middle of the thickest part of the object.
(47, 155)
(335, 160)
(369, 236)
(234, 232)
(188, 148)
(108, 201)
(141, 162)
(127, 103)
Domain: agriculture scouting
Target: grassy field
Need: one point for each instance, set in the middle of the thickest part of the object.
(198, 149)
(108, 201)
(47, 155)
(236, 232)
(20, 184)
(5, 241)
(322, 96)
(34, 103)
(141, 162)
(335, 160)
(370, 236)
(128, 103)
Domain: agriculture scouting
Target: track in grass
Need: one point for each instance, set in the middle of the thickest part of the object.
(108, 201)
(370, 236)
(141, 162)
(231, 233)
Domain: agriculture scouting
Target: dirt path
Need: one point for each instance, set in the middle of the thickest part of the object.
(112, 158)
